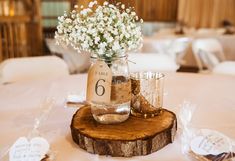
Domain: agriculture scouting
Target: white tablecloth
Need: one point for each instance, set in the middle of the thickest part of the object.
(214, 96)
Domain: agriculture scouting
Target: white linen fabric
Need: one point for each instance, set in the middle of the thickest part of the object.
(31, 68)
(172, 46)
(151, 62)
(206, 59)
(209, 45)
(20, 102)
(227, 42)
(77, 62)
(155, 45)
(226, 67)
(209, 53)
(177, 48)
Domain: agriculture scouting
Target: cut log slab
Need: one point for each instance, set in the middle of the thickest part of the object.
(134, 137)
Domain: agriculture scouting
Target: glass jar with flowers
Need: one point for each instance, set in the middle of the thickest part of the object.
(106, 31)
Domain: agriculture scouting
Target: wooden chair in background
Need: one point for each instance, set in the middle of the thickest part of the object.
(20, 29)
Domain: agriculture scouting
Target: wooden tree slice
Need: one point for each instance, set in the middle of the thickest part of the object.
(134, 137)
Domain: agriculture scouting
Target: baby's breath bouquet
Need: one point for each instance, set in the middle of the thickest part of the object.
(106, 31)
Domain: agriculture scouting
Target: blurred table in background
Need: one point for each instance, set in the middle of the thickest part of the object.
(153, 43)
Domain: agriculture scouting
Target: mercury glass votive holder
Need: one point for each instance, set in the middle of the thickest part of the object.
(147, 93)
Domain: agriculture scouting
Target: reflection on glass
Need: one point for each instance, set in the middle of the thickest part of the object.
(147, 93)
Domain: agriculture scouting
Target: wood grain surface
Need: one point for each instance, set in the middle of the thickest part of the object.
(134, 137)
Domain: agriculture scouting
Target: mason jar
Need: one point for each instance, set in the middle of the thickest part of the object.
(118, 109)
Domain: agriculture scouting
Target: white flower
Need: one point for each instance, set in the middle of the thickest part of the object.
(105, 3)
(123, 6)
(84, 29)
(111, 6)
(115, 32)
(68, 20)
(116, 46)
(84, 12)
(100, 52)
(109, 39)
(104, 30)
(136, 18)
(61, 18)
(97, 39)
(133, 13)
(92, 3)
(85, 45)
(102, 45)
(59, 31)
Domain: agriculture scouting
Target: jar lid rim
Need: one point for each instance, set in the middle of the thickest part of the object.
(109, 58)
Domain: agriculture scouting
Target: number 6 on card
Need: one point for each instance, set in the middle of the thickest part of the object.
(99, 83)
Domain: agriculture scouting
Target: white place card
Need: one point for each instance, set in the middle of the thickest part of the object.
(25, 150)
(210, 142)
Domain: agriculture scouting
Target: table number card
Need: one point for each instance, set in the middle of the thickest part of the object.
(99, 83)
(25, 150)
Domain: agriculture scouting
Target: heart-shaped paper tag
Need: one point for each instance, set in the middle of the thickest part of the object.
(25, 150)
(210, 142)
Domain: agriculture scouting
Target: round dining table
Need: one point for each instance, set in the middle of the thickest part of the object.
(213, 97)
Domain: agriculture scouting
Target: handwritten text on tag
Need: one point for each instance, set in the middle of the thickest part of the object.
(33, 150)
(210, 142)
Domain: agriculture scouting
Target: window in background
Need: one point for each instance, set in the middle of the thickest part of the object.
(51, 10)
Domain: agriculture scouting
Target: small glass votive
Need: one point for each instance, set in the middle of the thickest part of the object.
(147, 93)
